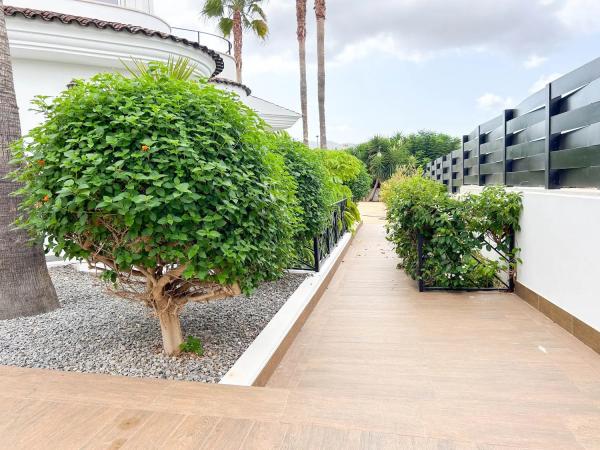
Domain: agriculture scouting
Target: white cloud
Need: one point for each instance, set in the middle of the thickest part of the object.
(534, 61)
(492, 102)
(543, 81)
(580, 15)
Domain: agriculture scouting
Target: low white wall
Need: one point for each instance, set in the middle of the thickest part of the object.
(560, 248)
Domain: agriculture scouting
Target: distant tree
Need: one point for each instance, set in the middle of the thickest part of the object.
(234, 16)
(301, 34)
(382, 156)
(321, 12)
(426, 146)
(25, 285)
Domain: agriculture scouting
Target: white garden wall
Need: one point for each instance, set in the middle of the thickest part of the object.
(560, 248)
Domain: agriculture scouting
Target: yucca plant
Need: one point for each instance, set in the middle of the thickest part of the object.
(180, 68)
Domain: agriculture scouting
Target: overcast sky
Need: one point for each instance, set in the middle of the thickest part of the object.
(405, 65)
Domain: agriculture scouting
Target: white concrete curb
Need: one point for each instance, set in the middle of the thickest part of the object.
(247, 370)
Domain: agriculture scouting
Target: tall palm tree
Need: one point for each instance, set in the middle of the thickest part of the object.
(234, 17)
(301, 34)
(25, 285)
(320, 12)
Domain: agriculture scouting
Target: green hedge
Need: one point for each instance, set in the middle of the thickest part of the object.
(451, 229)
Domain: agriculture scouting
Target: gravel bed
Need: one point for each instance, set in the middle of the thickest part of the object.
(95, 331)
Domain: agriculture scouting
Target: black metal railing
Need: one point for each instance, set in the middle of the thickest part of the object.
(325, 242)
(210, 40)
(503, 281)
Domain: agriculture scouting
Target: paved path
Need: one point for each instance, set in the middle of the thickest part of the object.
(377, 365)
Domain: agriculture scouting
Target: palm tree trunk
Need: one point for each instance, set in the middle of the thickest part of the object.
(237, 44)
(301, 32)
(320, 12)
(25, 285)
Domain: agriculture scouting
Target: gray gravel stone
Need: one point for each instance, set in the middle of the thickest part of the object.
(95, 331)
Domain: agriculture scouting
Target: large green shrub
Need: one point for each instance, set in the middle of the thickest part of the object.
(451, 229)
(164, 183)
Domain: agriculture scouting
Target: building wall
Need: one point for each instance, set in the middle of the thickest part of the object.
(560, 248)
(55, 79)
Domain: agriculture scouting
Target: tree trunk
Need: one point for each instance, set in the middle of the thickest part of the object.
(25, 285)
(374, 191)
(237, 44)
(320, 11)
(170, 328)
(301, 33)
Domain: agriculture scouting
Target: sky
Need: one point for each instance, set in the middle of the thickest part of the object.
(406, 65)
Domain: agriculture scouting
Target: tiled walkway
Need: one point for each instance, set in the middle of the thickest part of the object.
(377, 365)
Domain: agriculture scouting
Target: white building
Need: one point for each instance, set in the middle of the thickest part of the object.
(53, 42)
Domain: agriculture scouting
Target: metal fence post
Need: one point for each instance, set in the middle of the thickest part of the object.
(465, 139)
(316, 254)
(548, 175)
(479, 155)
(505, 118)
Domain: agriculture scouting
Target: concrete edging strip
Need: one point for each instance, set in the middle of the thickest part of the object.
(257, 363)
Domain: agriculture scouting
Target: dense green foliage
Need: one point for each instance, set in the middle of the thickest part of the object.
(426, 146)
(383, 156)
(361, 184)
(347, 170)
(149, 173)
(314, 187)
(452, 230)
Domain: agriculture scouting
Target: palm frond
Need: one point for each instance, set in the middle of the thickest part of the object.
(257, 9)
(260, 28)
(226, 25)
(213, 8)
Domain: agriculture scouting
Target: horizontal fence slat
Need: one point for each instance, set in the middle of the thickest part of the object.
(525, 149)
(472, 179)
(586, 177)
(577, 78)
(491, 147)
(584, 96)
(471, 162)
(531, 163)
(487, 169)
(532, 133)
(525, 178)
(534, 101)
(491, 125)
(525, 121)
(577, 118)
(575, 158)
(495, 157)
(583, 137)
(493, 179)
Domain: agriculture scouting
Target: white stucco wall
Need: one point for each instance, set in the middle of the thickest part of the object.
(55, 79)
(560, 248)
(136, 12)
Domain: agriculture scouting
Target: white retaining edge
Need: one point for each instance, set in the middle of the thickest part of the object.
(248, 368)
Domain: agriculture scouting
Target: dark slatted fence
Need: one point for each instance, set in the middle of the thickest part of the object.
(551, 139)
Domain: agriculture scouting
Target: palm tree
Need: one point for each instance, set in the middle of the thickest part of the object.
(301, 33)
(25, 285)
(235, 16)
(320, 12)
